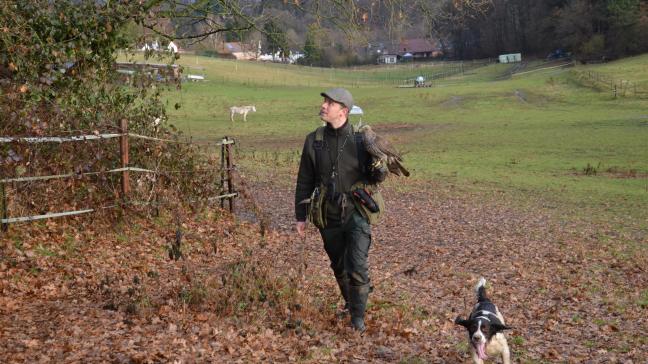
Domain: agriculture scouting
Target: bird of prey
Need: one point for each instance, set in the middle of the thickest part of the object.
(382, 151)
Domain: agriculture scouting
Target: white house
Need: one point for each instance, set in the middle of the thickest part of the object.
(292, 57)
(387, 58)
(154, 46)
(510, 58)
(172, 47)
(271, 57)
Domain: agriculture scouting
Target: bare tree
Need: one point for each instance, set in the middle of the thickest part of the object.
(198, 20)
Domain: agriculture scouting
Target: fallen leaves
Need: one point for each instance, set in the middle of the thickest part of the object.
(117, 297)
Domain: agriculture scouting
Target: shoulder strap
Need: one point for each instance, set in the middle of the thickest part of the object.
(317, 146)
(361, 150)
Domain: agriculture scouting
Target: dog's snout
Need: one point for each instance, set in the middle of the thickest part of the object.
(476, 337)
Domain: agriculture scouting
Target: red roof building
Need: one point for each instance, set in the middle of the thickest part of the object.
(418, 48)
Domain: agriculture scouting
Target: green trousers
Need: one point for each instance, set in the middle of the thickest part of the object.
(347, 246)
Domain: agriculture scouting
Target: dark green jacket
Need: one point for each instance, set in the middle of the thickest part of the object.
(349, 169)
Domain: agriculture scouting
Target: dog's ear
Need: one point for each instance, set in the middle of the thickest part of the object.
(462, 322)
(495, 328)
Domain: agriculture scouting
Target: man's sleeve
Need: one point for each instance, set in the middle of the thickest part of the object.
(305, 182)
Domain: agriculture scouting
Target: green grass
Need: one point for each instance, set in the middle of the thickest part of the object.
(70, 246)
(531, 137)
(275, 75)
(45, 251)
(626, 77)
(643, 301)
(633, 69)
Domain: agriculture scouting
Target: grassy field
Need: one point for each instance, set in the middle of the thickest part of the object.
(273, 74)
(536, 182)
(541, 138)
(634, 69)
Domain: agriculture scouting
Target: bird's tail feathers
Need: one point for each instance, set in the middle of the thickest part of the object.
(405, 172)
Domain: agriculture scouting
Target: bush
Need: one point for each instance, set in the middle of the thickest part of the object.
(58, 77)
(593, 47)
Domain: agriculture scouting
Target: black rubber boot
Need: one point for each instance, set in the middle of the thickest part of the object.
(358, 296)
(343, 283)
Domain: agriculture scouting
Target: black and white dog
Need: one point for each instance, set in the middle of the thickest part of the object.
(485, 326)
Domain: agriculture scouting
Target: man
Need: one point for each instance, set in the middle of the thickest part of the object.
(333, 160)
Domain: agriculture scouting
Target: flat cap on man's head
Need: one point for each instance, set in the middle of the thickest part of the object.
(340, 95)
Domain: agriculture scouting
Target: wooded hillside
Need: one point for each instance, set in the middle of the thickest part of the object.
(465, 29)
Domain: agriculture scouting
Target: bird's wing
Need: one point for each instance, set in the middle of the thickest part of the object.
(386, 147)
(369, 141)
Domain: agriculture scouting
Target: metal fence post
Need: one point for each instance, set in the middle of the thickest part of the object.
(123, 149)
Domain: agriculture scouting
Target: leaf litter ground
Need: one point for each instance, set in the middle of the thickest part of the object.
(75, 291)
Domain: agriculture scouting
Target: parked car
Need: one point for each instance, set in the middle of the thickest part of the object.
(558, 53)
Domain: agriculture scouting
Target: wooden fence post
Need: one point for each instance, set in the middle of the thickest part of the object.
(230, 188)
(123, 148)
(222, 168)
(226, 173)
(3, 201)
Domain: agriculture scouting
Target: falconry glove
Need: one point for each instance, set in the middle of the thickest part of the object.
(378, 170)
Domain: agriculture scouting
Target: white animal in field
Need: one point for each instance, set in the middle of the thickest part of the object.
(243, 110)
(157, 122)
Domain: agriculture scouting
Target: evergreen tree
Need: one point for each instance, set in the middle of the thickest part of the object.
(623, 19)
(312, 49)
(276, 38)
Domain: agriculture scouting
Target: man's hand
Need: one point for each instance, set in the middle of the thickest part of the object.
(301, 228)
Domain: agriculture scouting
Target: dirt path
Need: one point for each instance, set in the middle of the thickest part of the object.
(72, 292)
(572, 293)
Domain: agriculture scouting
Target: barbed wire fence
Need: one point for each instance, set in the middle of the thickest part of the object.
(226, 186)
